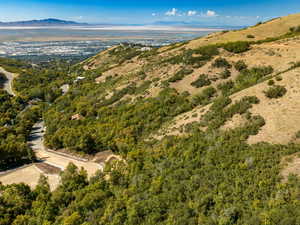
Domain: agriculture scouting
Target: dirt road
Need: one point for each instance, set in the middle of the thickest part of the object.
(30, 174)
(54, 159)
(8, 85)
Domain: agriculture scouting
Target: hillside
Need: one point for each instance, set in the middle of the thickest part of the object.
(180, 65)
(206, 132)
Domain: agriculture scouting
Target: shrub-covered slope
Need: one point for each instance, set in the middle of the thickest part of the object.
(230, 107)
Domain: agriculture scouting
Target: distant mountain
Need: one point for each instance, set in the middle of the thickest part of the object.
(44, 22)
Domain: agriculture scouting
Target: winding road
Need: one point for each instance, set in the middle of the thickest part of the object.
(8, 84)
(29, 174)
(55, 159)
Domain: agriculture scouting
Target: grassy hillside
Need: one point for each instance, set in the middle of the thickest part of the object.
(208, 132)
(225, 62)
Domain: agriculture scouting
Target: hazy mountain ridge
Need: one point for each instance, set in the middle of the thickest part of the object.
(43, 22)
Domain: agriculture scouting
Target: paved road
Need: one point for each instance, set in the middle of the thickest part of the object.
(8, 85)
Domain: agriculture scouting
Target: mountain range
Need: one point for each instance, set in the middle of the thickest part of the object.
(59, 22)
(43, 22)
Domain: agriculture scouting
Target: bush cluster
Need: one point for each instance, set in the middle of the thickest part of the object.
(226, 88)
(276, 91)
(225, 74)
(221, 63)
(249, 77)
(3, 79)
(240, 65)
(295, 29)
(204, 97)
(202, 81)
(237, 47)
(180, 75)
(250, 36)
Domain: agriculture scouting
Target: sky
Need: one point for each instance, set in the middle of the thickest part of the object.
(203, 12)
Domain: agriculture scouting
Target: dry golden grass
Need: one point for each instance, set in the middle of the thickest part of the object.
(178, 123)
(236, 121)
(30, 176)
(291, 166)
(281, 115)
(274, 28)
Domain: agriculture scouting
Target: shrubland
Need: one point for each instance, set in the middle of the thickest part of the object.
(15, 127)
(209, 175)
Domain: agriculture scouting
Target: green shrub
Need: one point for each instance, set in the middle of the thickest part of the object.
(221, 63)
(180, 75)
(271, 82)
(295, 65)
(142, 75)
(3, 79)
(187, 56)
(278, 78)
(252, 76)
(225, 74)
(209, 51)
(237, 47)
(185, 94)
(275, 91)
(250, 36)
(165, 84)
(205, 97)
(240, 65)
(226, 87)
(295, 29)
(202, 81)
(298, 134)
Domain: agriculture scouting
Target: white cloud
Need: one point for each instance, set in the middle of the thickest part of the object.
(172, 12)
(153, 14)
(191, 13)
(211, 13)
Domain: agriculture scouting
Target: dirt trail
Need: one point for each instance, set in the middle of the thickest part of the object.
(8, 85)
(30, 174)
(54, 159)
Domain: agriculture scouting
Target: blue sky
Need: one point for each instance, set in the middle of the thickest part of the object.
(208, 12)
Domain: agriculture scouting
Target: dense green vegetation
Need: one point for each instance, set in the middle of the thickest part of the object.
(117, 127)
(14, 130)
(210, 177)
(13, 65)
(3, 79)
(43, 83)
